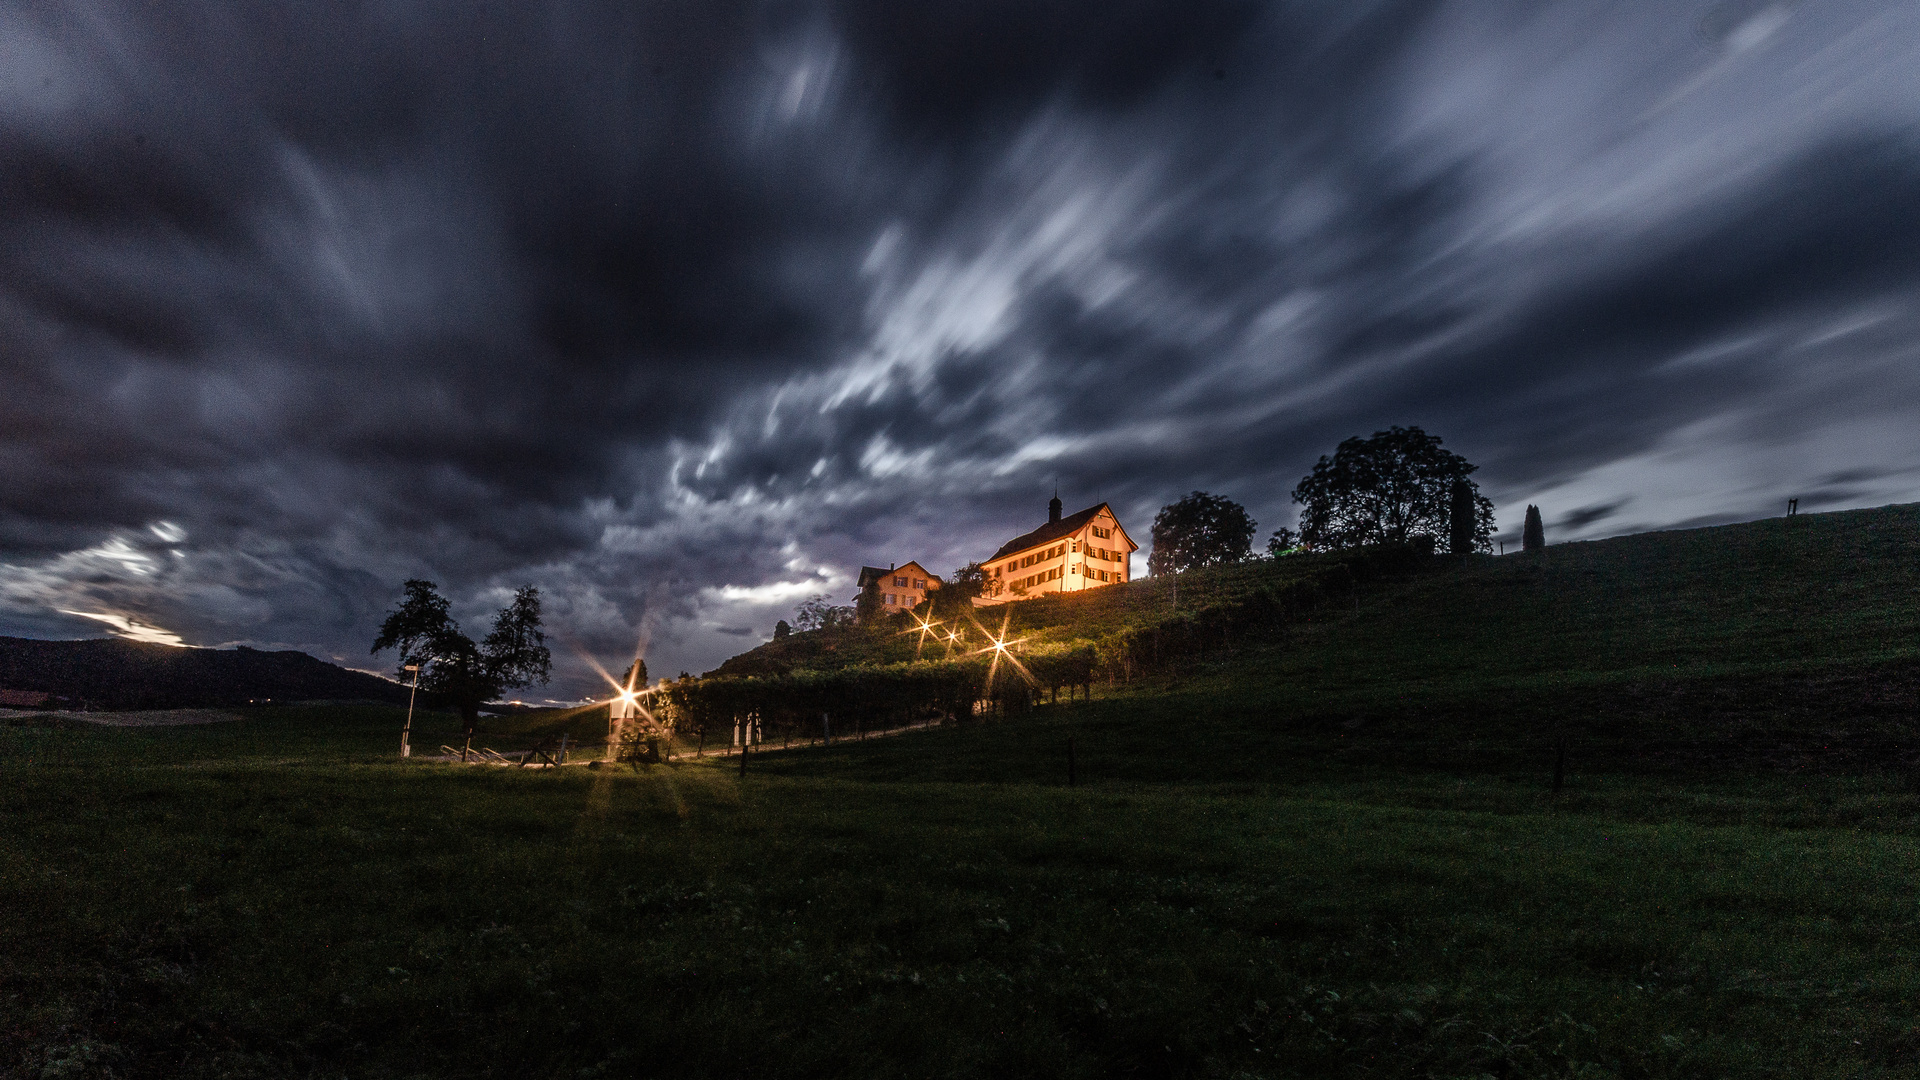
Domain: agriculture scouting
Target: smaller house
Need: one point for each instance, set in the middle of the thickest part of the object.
(896, 588)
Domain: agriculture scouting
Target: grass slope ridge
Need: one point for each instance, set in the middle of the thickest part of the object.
(120, 674)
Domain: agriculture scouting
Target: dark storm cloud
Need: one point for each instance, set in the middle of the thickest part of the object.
(1576, 520)
(685, 311)
(955, 70)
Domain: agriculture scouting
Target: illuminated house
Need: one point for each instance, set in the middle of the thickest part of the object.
(897, 588)
(1071, 554)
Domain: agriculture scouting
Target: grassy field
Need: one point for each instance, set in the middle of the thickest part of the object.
(1332, 855)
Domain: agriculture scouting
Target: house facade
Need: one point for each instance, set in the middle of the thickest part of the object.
(1087, 550)
(896, 588)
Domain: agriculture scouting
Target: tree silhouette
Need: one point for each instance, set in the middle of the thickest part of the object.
(1390, 488)
(1200, 530)
(1461, 518)
(1533, 536)
(1282, 542)
(423, 630)
(955, 595)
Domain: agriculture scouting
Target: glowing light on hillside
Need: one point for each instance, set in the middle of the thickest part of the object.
(1000, 647)
(925, 627)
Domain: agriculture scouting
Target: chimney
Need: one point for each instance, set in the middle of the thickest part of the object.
(1053, 509)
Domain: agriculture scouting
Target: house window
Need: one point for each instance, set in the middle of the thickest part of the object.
(899, 583)
(1102, 533)
(920, 583)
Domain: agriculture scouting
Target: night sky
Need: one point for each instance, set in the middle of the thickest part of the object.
(683, 311)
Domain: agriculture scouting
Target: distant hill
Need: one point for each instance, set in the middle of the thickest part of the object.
(1794, 641)
(1263, 590)
(116, 674)
(1840, 587)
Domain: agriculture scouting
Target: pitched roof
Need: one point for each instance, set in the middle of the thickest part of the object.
(1052, 530)
(875, 573)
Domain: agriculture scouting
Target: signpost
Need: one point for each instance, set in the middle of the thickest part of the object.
(405, 750)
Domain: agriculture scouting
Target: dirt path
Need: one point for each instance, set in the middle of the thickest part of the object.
(591, 752)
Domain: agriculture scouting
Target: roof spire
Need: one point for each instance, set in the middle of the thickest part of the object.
(1053, 507)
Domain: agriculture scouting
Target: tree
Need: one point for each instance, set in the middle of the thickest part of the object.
(819, 613)
(1533, 535)
(423, 630)
(1200, 530)
(955, 595)
(866, 606)
(1388, 489)
(1460, 517)
(781, 630)
(635, 677)
(1282, 542)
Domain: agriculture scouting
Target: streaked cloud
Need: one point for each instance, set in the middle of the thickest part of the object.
(685, 313)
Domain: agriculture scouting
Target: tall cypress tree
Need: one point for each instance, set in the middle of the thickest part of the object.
(1534, 536)
(1462, 518)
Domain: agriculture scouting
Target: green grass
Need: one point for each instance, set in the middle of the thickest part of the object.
(1330, 855)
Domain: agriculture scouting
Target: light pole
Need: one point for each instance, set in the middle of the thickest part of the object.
(405, 750)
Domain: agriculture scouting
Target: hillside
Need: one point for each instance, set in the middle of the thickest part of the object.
(1263, 591)
(1778, 590)
(1793, 641)
(116, 674)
